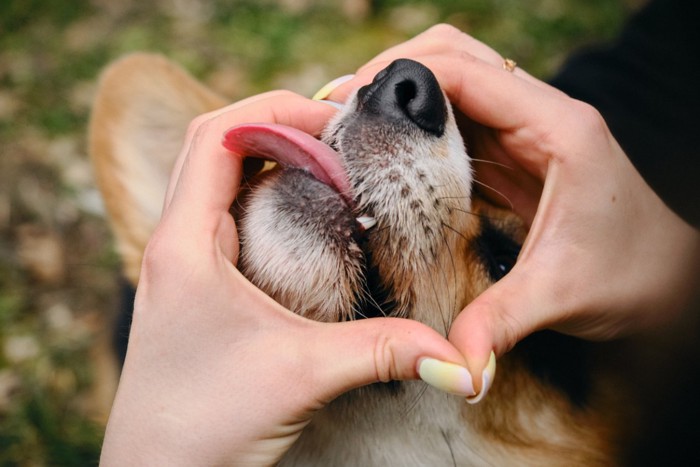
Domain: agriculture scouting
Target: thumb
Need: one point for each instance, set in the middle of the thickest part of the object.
(362, 352)
(494, 322)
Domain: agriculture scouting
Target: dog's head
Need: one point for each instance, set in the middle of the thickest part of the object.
(384, 222)
(392, 158)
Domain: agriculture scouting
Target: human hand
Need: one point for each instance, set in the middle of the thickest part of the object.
(217, 372)
(604, 256)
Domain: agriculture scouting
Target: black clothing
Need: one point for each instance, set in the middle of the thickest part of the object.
(647, 87)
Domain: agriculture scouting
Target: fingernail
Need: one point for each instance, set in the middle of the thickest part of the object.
(486, 380)
(326, 90)
(448, 377)
(337, 105)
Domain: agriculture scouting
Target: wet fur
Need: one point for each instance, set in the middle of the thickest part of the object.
(424, 254)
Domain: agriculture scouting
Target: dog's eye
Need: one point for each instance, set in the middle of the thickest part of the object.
(501, 264)
(497, 251)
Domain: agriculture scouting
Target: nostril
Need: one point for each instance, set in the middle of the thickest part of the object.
(405, 92)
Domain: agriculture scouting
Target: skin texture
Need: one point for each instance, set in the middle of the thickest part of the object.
(605, 257)
(202, 333)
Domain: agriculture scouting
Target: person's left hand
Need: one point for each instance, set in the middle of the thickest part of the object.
(216, 371)
(556, 164)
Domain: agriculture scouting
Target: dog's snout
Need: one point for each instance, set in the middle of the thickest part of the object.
(407, 90)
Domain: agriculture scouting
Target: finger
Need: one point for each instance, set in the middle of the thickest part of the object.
(445, 38)
(485, 93)
(246, 110)
(206, 181)
(493, 323)
(441, 39)
(534, 295)
(367, 72)
(354, 354)
(239, 106)
(274, 106)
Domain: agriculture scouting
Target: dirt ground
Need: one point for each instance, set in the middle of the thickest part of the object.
(58, 268)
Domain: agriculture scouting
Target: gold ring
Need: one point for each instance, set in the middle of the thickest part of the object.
(509, 64)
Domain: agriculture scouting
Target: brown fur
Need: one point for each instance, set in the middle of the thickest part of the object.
(143, 108)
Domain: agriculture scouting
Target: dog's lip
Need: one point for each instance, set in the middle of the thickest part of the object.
(290, 147)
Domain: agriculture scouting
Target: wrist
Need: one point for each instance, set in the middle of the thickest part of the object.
(671, 266)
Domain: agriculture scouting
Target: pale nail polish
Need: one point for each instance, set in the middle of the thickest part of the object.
(326, 90)
(448, 377)
(337, 105)
(486, 380)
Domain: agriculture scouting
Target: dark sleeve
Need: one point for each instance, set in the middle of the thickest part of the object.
(647, 87)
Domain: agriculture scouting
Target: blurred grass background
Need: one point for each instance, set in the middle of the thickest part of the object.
(58, 269)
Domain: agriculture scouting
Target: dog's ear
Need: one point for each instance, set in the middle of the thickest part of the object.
(143, 107)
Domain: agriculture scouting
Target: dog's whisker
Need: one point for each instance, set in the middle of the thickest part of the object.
(369, 297)
(453, 305)
(501, 194)
(449, 227)
(442, 198)
(412, 405)
(449, 446)
(472, 213)
(485, 161)
(357, 312)
(440, 310)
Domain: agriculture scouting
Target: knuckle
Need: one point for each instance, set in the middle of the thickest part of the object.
(588, 134)
(444, 31)
(384, 362)
(465, 57)
(198, 123)
(586, 114)
(499, 322)
(156, 250)
(163, 255)
(511, 331)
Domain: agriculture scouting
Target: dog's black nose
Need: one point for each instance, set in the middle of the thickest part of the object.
(406, 89)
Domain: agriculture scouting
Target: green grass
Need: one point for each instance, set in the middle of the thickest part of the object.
(50, 56)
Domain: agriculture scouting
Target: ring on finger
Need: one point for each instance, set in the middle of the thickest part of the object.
(509, 64)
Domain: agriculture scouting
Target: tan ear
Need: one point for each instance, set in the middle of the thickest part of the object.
(143, 107)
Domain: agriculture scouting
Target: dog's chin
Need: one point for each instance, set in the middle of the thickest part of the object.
(301, 244)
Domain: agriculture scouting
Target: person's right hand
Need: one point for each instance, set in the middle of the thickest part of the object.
(604, 256)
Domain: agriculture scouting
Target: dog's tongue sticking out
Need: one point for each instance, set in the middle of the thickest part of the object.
(290, 148)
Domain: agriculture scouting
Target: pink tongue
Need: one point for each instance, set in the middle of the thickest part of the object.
(290, 148)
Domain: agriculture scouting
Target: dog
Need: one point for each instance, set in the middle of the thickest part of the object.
(410, 238)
